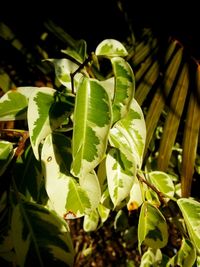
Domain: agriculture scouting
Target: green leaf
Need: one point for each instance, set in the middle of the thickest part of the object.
(120, 175)
(6, 155)
(40, 238)
(28, 166)
(13, 106)
(124, 87)
(111, 48)
(152, 228)
(47, 110)
(92, 121)
(163, 182)
(79, 52)
(129, 134)
(186, 255)
(121, 221)
(6, 247)
(103, 213)
(90, 221)
(90, 184)
(190, 209)
(5, 80)
(77, 201)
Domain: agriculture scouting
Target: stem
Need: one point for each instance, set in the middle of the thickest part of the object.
(161, 196)
(79, 68)
(171, 210)
(22, 135)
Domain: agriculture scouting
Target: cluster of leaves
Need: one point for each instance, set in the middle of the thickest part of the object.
(82, 156)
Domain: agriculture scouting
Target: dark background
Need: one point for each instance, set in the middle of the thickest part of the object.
(99, 19)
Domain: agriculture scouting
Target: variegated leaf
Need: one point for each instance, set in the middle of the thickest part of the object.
(90, 222)
(26, 90)
(151, 258)
(28, 166)
(163, 182)
(124, 87)
(38, 116)
(111, 48)
(129, 134)
(6, 155)
(120, 175)
(63, 69)
(136, 198)
(152, 228)
(77, 201)
(190, 209)
(78, 52)
(66, 196)
(186, 255)
(90, 184)
(103, 213)
(109, 86)
(47, 109)
(56, 159)
(40, 238)
(13, 106)
(92, 121)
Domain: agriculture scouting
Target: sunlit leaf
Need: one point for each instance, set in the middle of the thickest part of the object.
(151, 258)
(47, 109)
(163, 182)
(90, 184)
(120, 175)
(152, 228)
(186, 255)
(90, 221)
(129, 133)
(92, 120)
(38, 116)
(135, 199)
(103, 213)
(26, 90)
(111, 48)
(77, 201)
(56, 160)
(190, 209)
(124, 87)
(13, 106)
(109, 86)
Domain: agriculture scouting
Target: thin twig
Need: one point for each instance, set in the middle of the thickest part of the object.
(161, 196)
(79, 68)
